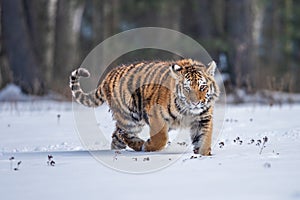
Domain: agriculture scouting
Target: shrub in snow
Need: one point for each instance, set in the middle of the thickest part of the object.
(221, 144)
(11, 159)
(265, 140)
(12, 92)
(18, 165)
(50, 161)
(11, 162)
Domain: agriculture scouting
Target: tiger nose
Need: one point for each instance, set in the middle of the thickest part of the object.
(195, 103)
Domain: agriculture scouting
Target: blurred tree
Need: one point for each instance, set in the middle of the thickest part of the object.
(66, 53)
(259, 39)
(19, 48)
(5, 72)
(239, 25)
(41, 15)
(101, 19)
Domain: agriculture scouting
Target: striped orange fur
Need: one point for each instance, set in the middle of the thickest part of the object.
(162, 94)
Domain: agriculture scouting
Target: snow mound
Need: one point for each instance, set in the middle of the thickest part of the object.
(12, 92)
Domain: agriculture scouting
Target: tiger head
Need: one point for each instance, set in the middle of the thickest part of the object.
(196, 87)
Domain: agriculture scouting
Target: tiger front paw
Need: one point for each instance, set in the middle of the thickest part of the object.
(203, 152)
(152, 146)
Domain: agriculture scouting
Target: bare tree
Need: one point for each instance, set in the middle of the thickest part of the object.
(19, 49)
(41, 19)
(240, 28)
(66, 55)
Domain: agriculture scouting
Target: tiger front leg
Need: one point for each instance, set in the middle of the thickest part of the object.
(201, 136)
(158, 135)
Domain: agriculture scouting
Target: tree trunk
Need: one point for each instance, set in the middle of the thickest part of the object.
(66, 56)
(240, 29)
(5, 72)
(19, 49)
(41, 17)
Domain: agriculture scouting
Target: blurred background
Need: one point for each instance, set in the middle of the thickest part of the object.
(254, 42)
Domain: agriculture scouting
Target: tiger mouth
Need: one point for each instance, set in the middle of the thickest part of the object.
(196, 110)
(196, 107)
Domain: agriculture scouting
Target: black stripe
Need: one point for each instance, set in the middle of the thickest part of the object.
(159, 72)
(92, 99)
(126, 126)
(97, 94)
(152, 73)
(140, 99)
(170, 112)
(117, 138)
(160, 87)
(135, 97)
(138, 90)
(77, 94)
(177, 106)
(74, 82)
(82, 98)
(115, 77)
(138, 118)
(129, 136)
(204, 111)
(145, 117)
(132, 75)
(204, 122)
(127, 117)
(133, 106)
(117, 90)
(75, 87)
(197, 138)
(149, 66)
(123, 92)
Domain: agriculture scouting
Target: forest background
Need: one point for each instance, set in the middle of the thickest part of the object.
(256, 43)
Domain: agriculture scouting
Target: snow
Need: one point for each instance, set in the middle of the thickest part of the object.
(30, 131)
(12, 93)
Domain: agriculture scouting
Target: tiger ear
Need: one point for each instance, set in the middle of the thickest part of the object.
(211, 68)
(175, 69)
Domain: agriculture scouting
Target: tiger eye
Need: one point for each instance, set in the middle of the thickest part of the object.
(203, 87)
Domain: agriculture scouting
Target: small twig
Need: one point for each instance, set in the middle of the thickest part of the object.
(221, 144)
(11, 159)
(116, 155)
(58, 118)
(238, 141)
(146, 159)
(135, 159)
(265, 140)
(191, 158)
(50, 161)
(258, 143)
(18, 165)
(251, 141)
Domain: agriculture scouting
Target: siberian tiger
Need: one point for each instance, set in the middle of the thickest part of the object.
(163, 95)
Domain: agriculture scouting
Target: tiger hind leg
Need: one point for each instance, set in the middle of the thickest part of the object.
(117, 142)
(122, 138)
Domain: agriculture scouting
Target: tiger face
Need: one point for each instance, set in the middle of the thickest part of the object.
(195, 86)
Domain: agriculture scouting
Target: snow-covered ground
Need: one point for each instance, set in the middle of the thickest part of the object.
(30, 131)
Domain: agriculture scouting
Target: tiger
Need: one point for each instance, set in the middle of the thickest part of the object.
(164, 95)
